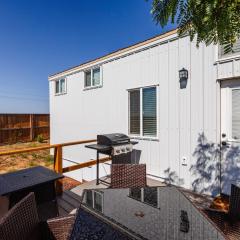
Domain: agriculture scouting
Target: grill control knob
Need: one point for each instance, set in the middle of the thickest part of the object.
(128, 149)
(123, 149)
(117, 151)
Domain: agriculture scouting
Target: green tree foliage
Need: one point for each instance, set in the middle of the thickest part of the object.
(210, 21)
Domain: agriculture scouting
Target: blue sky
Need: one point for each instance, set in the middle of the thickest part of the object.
(39, 38)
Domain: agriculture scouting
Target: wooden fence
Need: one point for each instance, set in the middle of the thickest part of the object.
(23, 127)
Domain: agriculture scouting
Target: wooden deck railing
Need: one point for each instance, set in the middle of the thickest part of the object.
(58, 151)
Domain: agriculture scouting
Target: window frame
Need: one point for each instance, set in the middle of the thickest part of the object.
(93, 203)
(230, 124)
(65, 86)
(91, 80)
(141, 136)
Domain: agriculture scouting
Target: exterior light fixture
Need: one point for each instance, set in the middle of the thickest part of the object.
(183, 77)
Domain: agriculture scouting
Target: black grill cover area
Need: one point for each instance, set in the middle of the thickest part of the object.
(113, 139)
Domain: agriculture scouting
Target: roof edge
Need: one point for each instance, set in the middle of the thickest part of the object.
(71, 70)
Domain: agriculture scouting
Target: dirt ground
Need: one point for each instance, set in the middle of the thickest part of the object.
(11, 163)
(15, 162)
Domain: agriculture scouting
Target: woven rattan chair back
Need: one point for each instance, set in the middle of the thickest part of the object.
(61, 227)
(20, 221)
(128, 175)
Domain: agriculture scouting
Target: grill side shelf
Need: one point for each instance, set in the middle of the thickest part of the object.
(98, 147)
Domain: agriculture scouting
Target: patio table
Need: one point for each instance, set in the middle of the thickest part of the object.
(142, 213)
(40, 180)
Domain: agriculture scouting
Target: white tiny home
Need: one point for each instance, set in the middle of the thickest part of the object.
(185, 133)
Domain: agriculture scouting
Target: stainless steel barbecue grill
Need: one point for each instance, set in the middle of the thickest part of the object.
(117, 145)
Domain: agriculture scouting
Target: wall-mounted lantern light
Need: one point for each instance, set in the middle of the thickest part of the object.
(183, 77)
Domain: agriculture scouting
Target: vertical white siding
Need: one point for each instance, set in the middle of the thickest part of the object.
(163, 74)
(184, 113)
(173, 107)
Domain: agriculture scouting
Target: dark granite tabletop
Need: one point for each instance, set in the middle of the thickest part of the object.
(22, 179)
(142, 213)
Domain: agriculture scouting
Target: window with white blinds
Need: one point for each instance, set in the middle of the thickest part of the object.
(143, 112)
(134, 112)
(235, 50)
(236, 113)
(149, 111)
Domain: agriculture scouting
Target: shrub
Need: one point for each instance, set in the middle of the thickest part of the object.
(49, 160)
(40, 138)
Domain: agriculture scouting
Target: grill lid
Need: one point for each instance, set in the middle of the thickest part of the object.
(113, 139)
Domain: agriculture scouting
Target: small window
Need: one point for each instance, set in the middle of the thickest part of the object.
(143, 112)
(94, 199)
(150, 196)
(235, 50)
(135, 193)
(98, 201)
(134, 112)
(96, 77)
(93, 77)
(236, 114)
(149, 111)
(60, 86)
(88, 79)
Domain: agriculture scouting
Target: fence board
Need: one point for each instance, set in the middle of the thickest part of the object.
(23, 127)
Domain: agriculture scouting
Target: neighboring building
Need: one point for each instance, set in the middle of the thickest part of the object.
(136, 91)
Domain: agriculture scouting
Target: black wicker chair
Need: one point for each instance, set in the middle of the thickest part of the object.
(228, 222)
(22, 223)
(128, 175)
(234, 203)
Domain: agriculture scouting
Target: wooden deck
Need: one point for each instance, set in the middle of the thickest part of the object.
(68, 202)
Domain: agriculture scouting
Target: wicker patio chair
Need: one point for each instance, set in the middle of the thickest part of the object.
(22, 223)
(234, 206)
(128, 175)
(234, 202)
(228, 222)
(61, 227)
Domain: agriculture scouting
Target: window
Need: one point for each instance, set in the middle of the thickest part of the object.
(151, 196)
(88, 79)
(135, 193)
(60, 86)
(94, 199)
(92, 77)
(235, 50)
(134, 112)
(98, 201)
(236, 114)
(143, 112)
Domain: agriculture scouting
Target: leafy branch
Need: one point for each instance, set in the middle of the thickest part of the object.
(208, 21)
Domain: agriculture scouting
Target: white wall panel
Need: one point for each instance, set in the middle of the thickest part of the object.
(173, 108)
(236, 67)
(197, 113)
(184, 114)
(163, 75)
(225, 69)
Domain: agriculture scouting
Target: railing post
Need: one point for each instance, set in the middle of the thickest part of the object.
(58, 167)
(58, 159)
(31, 123)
